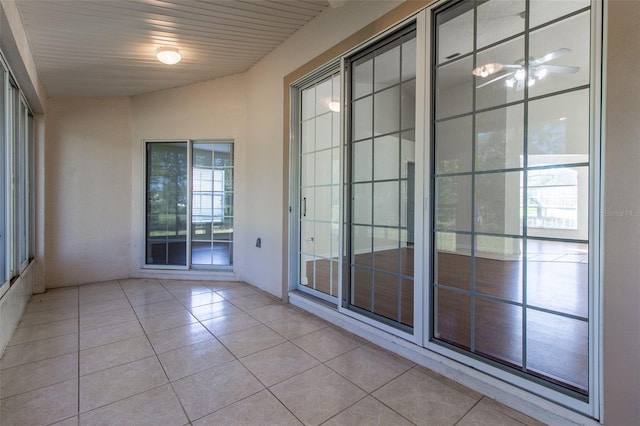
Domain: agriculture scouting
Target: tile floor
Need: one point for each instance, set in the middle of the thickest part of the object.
(156, 352)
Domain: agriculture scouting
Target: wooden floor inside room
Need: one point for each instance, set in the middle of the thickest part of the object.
(549, 325)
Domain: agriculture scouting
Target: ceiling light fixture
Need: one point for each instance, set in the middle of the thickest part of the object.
(168, 55)
(334, 106)
(487, 70)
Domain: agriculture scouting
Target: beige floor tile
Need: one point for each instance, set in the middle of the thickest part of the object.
(28, 377)
(72, 421)
(104, 306)
(102, 296)
(104, 319)
(327, 343)
(39, 350)
(200, 299)
(44, 331)
(255, 301)
(107, 386)
(41, 304)
(113, 333)
(369, 367)
(233, 293)
(129, 284)
(424, 400)
(297, 325)
(41, 406)
(160, 308)
(490, 412)
(151, 297)
(231, 323)
(368, 412)
(192, 359)
(279, 363)
(183, 289)
(47, 317)
(144, 290)
(85, 289)
(158, 406)
(113, 354)
(60, 293)
(213, 310)
(257, 410)
(317, 395)
(167, 340)
(231, 381)
(167, 321)
(272, 312)
(225, 285)
(251, 340)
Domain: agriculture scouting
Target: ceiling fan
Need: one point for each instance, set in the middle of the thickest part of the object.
(515, 75)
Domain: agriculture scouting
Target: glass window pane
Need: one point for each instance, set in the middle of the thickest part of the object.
(498, 331)
(499, 19)
(499, 138)
(362, 161)
(386, 203)
(498, 267)
(308, 103)
(308, 135)
(362, 203)
(558, 349)
(557, 203)
(386, 242)
(561, 55)
(454, 88)
(497, 203)
(557, 276)
(387, 68)
(408, 153)
(502, 74)
(409, 59)
(323, 203)
(542, 11)
(386, 157)
(452, 260)
(324, 96)
(387, 111)
(362, 122)
(559, 129)
(166, 203)
(453, 203)
(362, 245)
(362, 80)
(323, 167)
(454, 145)
(408, 107)
(455, 31)
(324, 132)
(453, 317)
(386, 290)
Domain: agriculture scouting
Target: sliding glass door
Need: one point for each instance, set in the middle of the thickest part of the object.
(511, 174)
(189, 204)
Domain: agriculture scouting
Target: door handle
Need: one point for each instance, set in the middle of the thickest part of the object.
(304, 207)
(309, 240)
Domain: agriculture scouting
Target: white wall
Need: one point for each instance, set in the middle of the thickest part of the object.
(87, 190)
(215, 109)
(264, 162)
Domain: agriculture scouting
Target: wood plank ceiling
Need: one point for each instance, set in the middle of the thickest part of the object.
(107, 47)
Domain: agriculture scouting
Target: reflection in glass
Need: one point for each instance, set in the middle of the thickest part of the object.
(455, 32)
(542, 11)
(454, 92)
(212, 204)
(563, 49)
(386, 111)
(362, 118)
(558, 131)
(362, 80)
(452, 317)
(498, 331)
(453, 260)
(557, 273)
(386, 163)
(498, 267)
(499, 19)
(386, 202)
(453, 203)
(387, 68)
(497, 203)
(166, 224)
(453, 151)
(499, 88)
(499, 138)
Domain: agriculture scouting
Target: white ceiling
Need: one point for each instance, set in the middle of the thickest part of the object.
(107, 47)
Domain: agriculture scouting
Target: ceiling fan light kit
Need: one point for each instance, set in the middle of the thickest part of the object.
(515, 74)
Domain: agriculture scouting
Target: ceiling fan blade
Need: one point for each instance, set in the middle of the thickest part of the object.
(550, 56)
(493, 80)
(563, 69)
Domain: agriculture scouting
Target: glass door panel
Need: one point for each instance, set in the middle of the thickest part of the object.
(381, 185)
(319, 187)
(212, 204)
(166, 198)
(511, 177)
